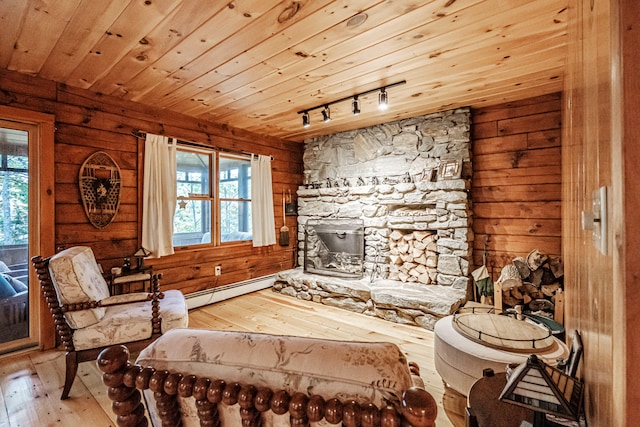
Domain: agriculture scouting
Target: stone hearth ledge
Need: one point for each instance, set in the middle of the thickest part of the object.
(395, 301)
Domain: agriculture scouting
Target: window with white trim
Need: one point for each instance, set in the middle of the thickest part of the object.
(214, 197)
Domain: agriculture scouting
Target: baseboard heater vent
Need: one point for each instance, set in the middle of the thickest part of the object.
(210, 296)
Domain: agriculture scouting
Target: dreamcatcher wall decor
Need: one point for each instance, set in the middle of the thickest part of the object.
(100, 188)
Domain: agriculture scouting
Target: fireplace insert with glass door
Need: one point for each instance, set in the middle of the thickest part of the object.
(334, 247)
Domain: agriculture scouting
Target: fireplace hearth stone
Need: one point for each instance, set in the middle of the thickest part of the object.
(395, 301)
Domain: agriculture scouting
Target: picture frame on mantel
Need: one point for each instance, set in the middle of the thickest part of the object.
(428, 175)
(449, 169)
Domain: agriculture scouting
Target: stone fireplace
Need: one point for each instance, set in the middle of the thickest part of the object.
(407, 183)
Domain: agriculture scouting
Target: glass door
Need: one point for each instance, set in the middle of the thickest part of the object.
(16, 329)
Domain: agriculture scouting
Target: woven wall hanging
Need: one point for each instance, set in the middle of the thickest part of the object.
(100, 188)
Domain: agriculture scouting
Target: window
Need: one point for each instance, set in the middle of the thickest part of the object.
(234, 189)
(212, 208)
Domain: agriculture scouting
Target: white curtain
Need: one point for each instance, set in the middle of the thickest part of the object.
(159, 195)
(263, 223)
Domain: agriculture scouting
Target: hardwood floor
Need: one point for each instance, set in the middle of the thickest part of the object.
(31, 383)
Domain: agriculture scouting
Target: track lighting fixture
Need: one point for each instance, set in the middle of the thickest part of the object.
(383, 99)
(383, 103)
(326, 114)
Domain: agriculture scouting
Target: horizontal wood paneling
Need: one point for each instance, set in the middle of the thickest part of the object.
(87, 122)
(516, 186)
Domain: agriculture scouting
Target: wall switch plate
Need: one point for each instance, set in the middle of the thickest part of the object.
(218, 270)
(596, 219)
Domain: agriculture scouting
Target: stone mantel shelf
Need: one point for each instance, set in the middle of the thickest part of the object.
(403, 187)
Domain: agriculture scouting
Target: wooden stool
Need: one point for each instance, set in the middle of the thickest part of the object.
(484, 409)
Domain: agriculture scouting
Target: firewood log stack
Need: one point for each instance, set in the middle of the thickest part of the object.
(413, 256)
(532, 281)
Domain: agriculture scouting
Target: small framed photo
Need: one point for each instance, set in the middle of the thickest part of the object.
(428, 175)
(449, 169)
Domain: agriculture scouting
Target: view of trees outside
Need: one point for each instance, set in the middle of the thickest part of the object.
(192, 215)
(234, 189)
(14, 192)
(234, 214)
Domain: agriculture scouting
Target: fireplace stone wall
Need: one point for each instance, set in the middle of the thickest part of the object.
(390, 177)
(378, 175)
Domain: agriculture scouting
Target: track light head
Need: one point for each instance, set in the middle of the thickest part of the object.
(356, 106)
(326, 114)
(383, 99)
(305, 119)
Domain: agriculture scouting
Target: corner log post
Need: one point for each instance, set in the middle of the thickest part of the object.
(125, 382)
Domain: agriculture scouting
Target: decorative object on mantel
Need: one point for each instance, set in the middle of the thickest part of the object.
(100, 188)
(428, 175)
(449, 169)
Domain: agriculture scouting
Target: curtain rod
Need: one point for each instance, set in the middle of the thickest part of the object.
(140, 134)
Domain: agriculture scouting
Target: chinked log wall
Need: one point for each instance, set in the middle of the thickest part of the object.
(86, 123)
(516, 185)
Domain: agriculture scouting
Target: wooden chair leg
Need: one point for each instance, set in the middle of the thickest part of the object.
(70, 374)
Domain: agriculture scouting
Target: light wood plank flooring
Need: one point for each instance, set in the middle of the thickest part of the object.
(31, 383)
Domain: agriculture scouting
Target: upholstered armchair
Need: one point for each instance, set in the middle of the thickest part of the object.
(196, 377)
(88, 319)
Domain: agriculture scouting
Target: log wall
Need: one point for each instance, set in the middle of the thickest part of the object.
(86, 123)
(516, 186)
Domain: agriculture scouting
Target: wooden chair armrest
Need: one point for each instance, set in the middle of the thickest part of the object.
(122, 299)
(125, 299)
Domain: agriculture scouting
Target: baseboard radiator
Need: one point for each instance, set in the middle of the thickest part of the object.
(213, 295)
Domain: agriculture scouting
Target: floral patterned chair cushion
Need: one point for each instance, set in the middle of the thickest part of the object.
(77, 278)
(377, 372)
(132, 322)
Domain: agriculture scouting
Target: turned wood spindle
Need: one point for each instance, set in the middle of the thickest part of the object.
(334, 411)
(172, 382)
(214, 392)
(315, 408)
(156, 382)
(351, 414)
(127, 403)
(280, 402)
(230, 393)
(298, 409)
(389, 417)
(370, 415)
(263, 399)
(248, 412)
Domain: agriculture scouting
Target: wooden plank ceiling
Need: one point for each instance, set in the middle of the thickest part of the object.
(253, 64)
